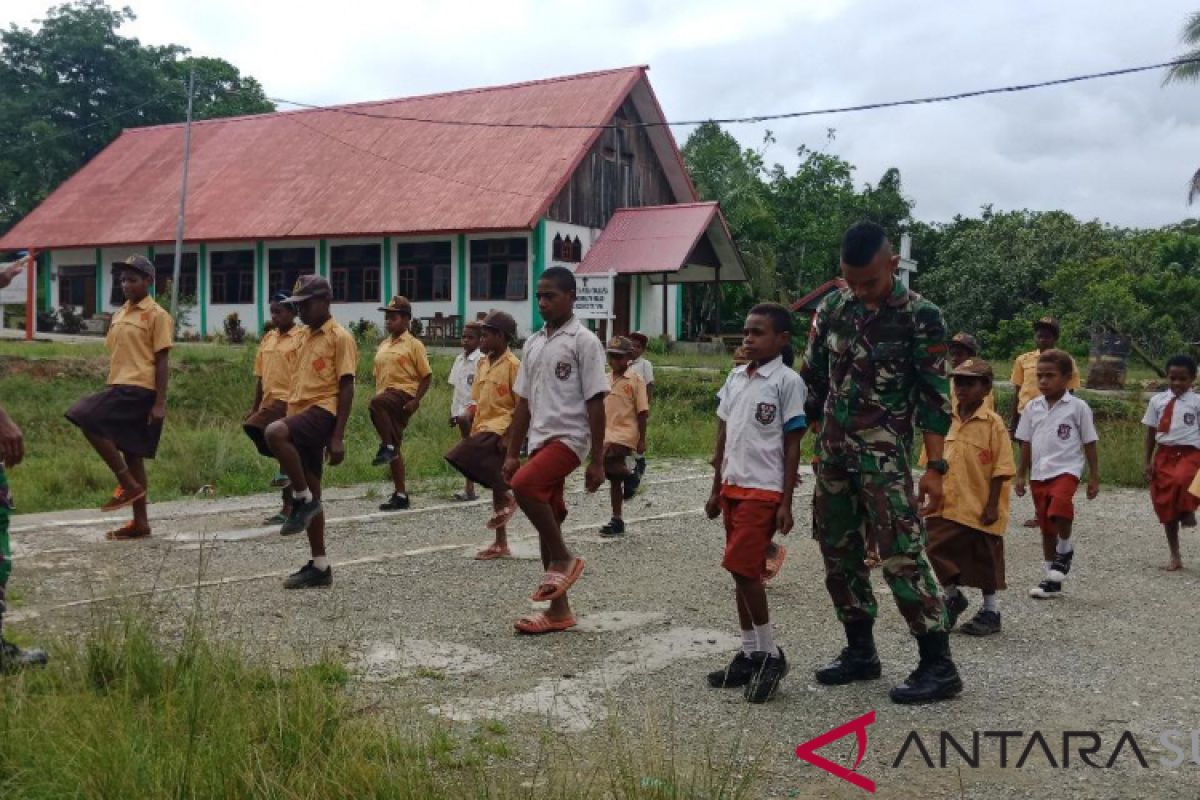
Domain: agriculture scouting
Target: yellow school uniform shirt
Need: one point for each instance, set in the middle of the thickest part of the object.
(492, 393)
(977, 449)
(137, 332)
(1024, 377)
(626, 399)
(324, 355)
(400, 363)
(275, 363)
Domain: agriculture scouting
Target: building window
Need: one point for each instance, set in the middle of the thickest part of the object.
(500, 269)
(77, 287)
(232, 274)
(285, 265)
(354, 273)
(164, 267)
(423, 270)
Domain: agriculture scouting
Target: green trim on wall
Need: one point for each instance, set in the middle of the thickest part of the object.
(637, 303)
(539, 266)
(678, 311)
(260, 281)
(463, 289)
(387, 269)
(202, 289)
(44, 279)
(101, 298)
(322, 258)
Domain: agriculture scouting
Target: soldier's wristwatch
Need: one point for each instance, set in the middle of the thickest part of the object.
(940, 466)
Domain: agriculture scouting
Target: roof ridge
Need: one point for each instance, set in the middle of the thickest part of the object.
(694, 204)
(641, 68)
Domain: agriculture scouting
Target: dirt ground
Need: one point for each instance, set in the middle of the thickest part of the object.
(420, 622)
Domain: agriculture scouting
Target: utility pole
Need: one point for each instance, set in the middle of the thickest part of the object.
(187, 151)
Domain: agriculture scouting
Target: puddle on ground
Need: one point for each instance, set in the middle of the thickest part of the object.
(384, 661)
(577, 703)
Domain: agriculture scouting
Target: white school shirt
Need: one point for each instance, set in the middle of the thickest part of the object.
(559, 373)
(755, 408)
(462, 378)
(1185, 419)
(1056, 436)
(644, 368)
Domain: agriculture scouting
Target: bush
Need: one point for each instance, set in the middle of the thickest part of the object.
(46, 321)
(235, 333)
(366, 332)
(69, 321)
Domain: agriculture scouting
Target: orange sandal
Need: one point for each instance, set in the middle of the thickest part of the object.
(774, 563)
(501, 517)
(492, 552)
(540, 623)
(121, 499)
(559, 583)
(125, 533)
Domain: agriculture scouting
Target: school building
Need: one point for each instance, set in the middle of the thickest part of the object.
(458, 201)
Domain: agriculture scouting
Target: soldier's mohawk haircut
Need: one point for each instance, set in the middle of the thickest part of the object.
(861, 242)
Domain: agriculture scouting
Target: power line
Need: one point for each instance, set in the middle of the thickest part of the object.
(758, 118)
(93, 124)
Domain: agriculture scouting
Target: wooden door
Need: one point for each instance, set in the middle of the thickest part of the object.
(622, 291)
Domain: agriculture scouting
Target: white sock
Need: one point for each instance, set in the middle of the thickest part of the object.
(989, 603)
(749, 642)
(765, 638)
(951, 590)
(321, 562)
(1064, 546)
(302, 497)
(1047, 563)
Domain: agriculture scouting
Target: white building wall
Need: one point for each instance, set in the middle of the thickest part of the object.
(651, 317)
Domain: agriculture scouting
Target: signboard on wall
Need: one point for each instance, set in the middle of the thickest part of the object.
(593, 296)
(15, 293)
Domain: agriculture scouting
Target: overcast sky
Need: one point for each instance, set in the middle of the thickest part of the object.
(1120, 149)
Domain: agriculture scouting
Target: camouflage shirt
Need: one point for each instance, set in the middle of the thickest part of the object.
(871, 374)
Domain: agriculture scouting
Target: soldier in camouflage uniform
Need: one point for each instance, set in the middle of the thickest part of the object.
(874, 366)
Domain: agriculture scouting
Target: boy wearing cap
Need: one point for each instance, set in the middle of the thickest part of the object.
(966, 532)
(561, 386)
(322, 393)
(402, 377)
(642, 367)
(274, 365)
(462, 378)
(480, 457)
(1057, 435)
(1172, 423)
(963, 346)
(625, 411)
(761, 424)
(124, 422)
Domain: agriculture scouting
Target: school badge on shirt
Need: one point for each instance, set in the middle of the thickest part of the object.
(1189, 419)
(765, 413)
(1064, 432)
(562, 370)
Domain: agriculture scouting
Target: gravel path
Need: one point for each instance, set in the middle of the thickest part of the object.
(424, 624)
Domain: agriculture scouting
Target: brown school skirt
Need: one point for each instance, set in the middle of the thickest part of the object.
(388, 415)
(120, 414)
(480, 458)
(966, 556)
(615, 465)
(310, 432)
(255, 425)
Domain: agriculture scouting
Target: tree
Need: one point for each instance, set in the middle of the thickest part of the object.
(68, 88)
(1188, 73)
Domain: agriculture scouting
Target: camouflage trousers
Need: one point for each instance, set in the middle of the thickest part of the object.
(5, 547)
(849, 508)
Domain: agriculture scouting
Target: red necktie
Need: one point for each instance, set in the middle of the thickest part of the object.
(1164, 424)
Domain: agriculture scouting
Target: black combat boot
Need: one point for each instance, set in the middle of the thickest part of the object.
(935, 678)
(857, 662)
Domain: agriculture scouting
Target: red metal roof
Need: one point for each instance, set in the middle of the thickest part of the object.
(323, 173)
(650, 239)
(811, 300)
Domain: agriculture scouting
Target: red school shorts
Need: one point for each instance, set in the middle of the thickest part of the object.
(1054, 499)
(749, 526)
(1174, 470)
(543, 477)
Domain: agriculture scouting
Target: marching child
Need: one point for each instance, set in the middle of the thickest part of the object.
(561, 387)
(124, 423)
(462, 378)
(641, 366)
(966, 535)
(1173, 453)
(480, 457)
(762, 422)
(402, 377)
(319, 405)
(1057, 436)
(626, 409)
(274, 365)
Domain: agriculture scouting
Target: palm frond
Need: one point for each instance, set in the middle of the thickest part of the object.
(1194, 188)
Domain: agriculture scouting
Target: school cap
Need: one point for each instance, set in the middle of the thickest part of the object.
(640, 338)
(399, 303)
(973, 368)
(965, 340)
(1047, 322)
(140, 264)
(473, 325)
(308, 287)
(620, 346)
(502, 322)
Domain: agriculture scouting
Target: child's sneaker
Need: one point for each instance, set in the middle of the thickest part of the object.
(1046, 589)
(302, 514)
(613, 528)
(385, 455)
(1060, 566)
(985, 623)
(768, 672)
(280, 481)
(736, 675)
(308, 577)
(397, 502)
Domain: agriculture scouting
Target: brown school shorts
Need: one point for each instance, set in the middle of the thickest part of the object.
(255, 425)
(615, 465)
(480, 458)
(388, 415)
(122, 415)
(965, 555)
(310, 431)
